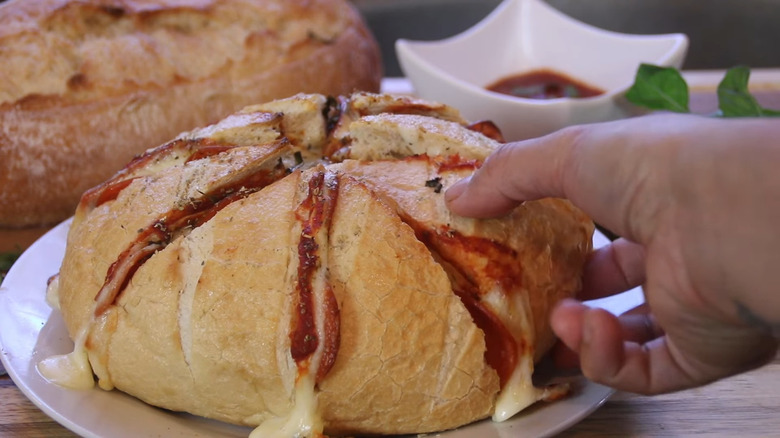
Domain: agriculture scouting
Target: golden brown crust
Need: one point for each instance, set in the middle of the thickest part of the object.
(72, 112)
(550, 238)
(400, 323)
(412, 353)
(220, 337)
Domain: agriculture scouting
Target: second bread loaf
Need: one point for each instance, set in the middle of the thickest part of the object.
(85, 85)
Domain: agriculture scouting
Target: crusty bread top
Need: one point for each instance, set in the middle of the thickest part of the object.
(82, 50)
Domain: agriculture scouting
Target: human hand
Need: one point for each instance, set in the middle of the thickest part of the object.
(697, 201)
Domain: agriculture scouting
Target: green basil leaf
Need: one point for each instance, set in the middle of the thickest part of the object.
(734, 99)
(659, 88)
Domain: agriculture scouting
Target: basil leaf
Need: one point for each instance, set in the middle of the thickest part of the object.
(734, 99)
(659, 88)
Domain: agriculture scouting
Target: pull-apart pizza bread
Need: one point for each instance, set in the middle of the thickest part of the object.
(294, 268)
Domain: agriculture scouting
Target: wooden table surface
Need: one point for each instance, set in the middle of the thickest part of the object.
(747, 405)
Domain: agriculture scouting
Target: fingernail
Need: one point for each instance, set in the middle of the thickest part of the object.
(456, 190)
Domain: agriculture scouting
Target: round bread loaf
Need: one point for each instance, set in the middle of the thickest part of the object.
(294, 267)
(86, 85)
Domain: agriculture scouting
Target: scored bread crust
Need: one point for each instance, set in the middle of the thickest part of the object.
(409, 349)
(84, 86)
(549, 260)
(205, 324)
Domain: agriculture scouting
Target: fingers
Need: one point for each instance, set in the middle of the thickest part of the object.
(612, 269)
(616, 172)
(628, 353)
(637, 325)
(514, 173)
(564, 357)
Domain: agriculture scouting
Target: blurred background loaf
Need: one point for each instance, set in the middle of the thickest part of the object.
(86, 85)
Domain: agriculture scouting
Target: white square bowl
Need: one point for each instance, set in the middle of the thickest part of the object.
(526, 35)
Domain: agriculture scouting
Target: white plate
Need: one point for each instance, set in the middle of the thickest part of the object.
(30, 332)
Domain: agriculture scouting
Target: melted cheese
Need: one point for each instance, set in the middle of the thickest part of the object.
(303, 421)
(513, 308)
(70, 370)
(53, 293)
(518, 393)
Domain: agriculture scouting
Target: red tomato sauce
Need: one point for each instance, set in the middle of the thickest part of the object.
(543, 84)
